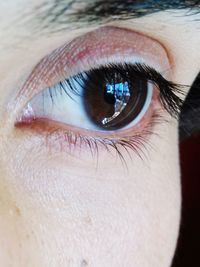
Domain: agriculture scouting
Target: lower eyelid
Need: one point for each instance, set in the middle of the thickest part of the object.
(45, 125)
(88, 147)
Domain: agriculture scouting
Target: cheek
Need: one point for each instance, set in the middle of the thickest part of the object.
(105, 216)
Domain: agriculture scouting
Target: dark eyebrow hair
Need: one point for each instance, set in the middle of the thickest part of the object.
(55, 14)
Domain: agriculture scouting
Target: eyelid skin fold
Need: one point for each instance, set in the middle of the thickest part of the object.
(105, 45)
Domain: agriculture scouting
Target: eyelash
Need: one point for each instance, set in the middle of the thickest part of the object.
(137, 142)
(168, 90)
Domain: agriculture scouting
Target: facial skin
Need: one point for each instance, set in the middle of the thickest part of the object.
(60, 209)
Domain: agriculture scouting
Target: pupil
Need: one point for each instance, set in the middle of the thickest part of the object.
(109, 98)
(112, 100)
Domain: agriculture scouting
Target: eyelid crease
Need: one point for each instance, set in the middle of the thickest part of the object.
(108, 44)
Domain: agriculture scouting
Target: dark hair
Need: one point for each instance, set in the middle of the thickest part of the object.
(189, 122)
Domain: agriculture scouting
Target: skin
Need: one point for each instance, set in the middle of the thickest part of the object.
(58, 209)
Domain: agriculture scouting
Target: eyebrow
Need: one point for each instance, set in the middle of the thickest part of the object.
(55, 15)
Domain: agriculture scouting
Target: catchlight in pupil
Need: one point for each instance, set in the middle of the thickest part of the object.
(117, 95)
(113, 97)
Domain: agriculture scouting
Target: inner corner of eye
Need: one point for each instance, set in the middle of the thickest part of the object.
(26, 116)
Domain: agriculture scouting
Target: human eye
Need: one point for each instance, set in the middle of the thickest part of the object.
(103, 90)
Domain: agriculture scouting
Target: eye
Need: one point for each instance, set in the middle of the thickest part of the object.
(100, 88)
(107, 98)
(116, 96)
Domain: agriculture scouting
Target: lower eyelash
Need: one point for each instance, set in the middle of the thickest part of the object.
(68, 141)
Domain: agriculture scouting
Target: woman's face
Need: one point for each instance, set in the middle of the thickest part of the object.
(73, 193)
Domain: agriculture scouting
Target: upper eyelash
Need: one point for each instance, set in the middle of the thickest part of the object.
(169, 91)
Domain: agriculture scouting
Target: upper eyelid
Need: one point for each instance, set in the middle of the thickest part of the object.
(63, 50)
(37, 80)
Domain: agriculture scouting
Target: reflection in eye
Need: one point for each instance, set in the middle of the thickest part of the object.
(116, 96)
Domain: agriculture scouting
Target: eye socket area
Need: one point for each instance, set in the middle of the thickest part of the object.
(103, 52)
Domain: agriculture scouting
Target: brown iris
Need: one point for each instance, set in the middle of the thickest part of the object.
(113, 98)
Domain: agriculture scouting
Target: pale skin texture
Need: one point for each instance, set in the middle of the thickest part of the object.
(60, 210)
